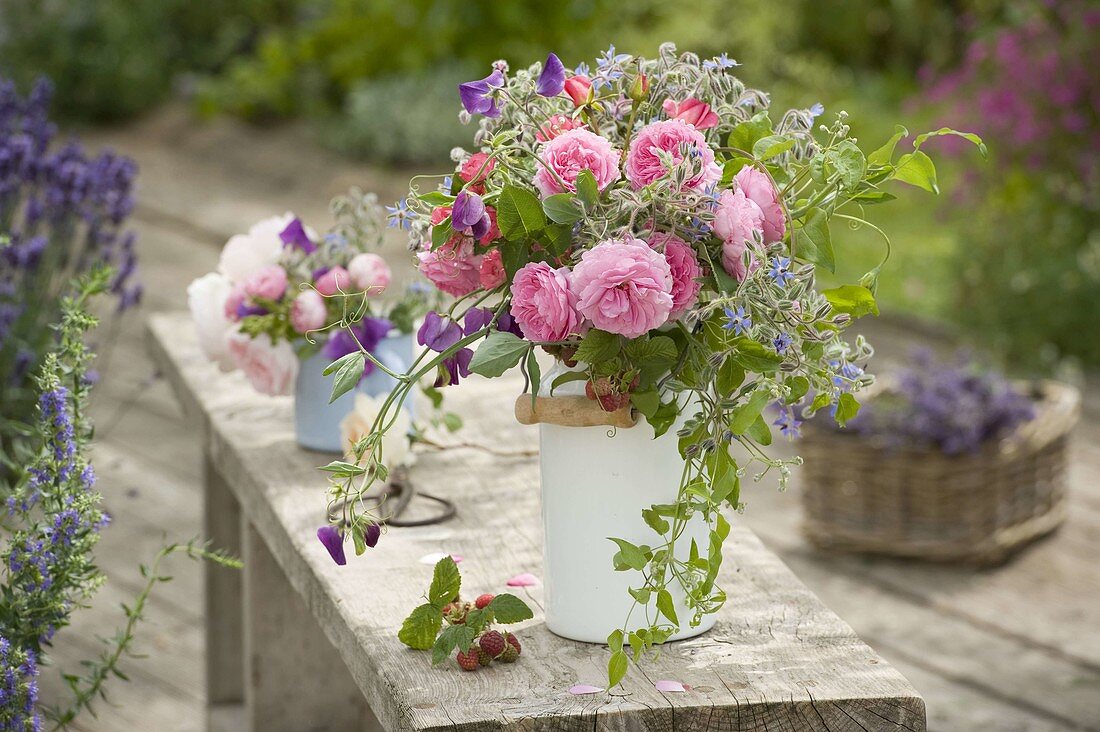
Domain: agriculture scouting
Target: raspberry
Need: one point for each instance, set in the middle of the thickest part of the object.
(514, 642)
(509, 655)
(492, 643)
(468, 661)
(603, 391)
(482, 602)
(483, 658)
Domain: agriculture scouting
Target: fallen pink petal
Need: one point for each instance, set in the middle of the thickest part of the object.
(668, 685)
(581, 689)
(434, 558)
(525, 579)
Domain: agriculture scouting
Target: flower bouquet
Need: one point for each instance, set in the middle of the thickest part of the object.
(946, 462)
(271, 309)
(655, 230)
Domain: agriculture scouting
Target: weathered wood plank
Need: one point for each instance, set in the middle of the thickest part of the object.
(777, 655)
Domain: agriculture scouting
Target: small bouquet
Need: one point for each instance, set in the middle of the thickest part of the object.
(654, 227)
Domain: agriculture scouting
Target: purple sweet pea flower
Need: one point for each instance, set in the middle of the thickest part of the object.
(456, 367)
(369, 332)
(330, 536)
(244, 310)
(477, 96)
(468, 215)
(552, 79)
(507, 324)
(438, 333)
(476, 319)
(371, 535)
(294, 235)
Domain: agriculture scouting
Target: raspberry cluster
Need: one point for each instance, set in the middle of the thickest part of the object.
(490, 645)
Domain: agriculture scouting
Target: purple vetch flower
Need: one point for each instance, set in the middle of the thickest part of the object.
(372, 534)
(330, 536)
(468, 215)
(552, 79)
(478, 96)
(294, 235)
(438, 333)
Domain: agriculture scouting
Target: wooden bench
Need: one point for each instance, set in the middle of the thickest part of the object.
(295, 642)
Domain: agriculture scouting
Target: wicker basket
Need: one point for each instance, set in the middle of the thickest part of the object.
(977, 508)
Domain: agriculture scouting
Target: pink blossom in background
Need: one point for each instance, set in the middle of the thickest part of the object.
(206, 298)
(571, 152)
(369, 273)
(476, 170)
(736, 219)
(668, 685)
(308, 312)
(674, 136)
(270, 367)
(526, 579)
(333, 281)
(543, 303)
(234, 302)
(491, 275)
(696, 113)
(623, 287)
(758, 188)
(557, 124)
(683, 263)
(268, 282)
(453, 267)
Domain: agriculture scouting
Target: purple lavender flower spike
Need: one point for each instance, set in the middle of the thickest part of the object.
(371, 535)
(334, 543)
(552, 79)
(294, 235)
(477, 96)
(438, 333)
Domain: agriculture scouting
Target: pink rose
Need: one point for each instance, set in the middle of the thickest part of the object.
(623, 287)
(543, 303)
(494, 231)
(269, 282)
(644, 166)
(369, 273)
(579, 89)
(333, 281)
(476, 170)
(235, 301)
(453, 267)
(270, 367)
(759, 189)
(308, 312)
(491, 275)
(736, 221)
(571, 152)
(683, 263)
(557, 124)
(696, 113)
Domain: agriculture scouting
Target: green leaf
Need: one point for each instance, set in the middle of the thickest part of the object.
(508, 608)
(446, 582)
(359, 540)
(654, 521)
(755, 356)
(855, 300)
(421, 627)
(452, 637)
(341, 469)
(813, 242)
(647, 402)
(513, 255)
(969, 136)
(519, 213)
(743, 415)
(798, 385)
(725, 485)
(666, 414)
(499, 352)
(873, 197)
(348, 376)
(566, 378)
(442, 232)
(917, 169)
(885, 154)
(666, 606)
(847, 407)
(730, 376)
(820, 401)
(849, 162)
(744, 135)
(557, 238)
(598, 346)
(562, 208)
(768, 147)
(339, 363)
(760, 432)
(654, 355)
(616, 668)
(436, 198)
(630, 555)
(534, 373)
(452, 421)
(587, 189)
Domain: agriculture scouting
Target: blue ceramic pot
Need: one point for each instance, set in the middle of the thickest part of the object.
(316, 422)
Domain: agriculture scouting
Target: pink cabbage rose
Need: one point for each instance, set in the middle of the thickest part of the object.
(453, 267)
(491, 275)
(683, 263)
(206, 298)
(571, 152)
(736, 222)
(268, 282)
(644, 166)
(543, 303)
(234, 300)
(696, 113)
(369, 273)
(759, 189)
(333, 281)
(308, 312)
(475, 170)
(270, 367)
(623, 287)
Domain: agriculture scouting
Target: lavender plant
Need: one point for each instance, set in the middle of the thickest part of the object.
(62, 212)
(51, 525)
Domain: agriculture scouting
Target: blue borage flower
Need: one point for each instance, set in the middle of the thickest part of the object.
(721, 62)
(782, 342)
(780, 271)
(399, 216)
(789, 425)
(737, 320)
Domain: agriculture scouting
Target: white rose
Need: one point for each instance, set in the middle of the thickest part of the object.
(359, 421)
(245, 254)
(271, 367)
(206, 298)
(369, 273)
